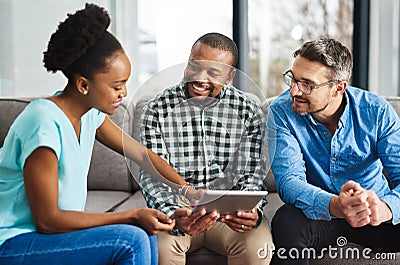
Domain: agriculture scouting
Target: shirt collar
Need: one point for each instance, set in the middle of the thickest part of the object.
(346, 112)
(343, 118)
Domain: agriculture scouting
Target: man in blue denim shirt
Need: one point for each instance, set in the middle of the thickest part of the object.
(328, 144)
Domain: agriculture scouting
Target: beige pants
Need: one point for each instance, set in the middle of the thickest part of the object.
(241, 248)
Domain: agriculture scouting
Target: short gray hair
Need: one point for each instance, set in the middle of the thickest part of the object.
(331, 53)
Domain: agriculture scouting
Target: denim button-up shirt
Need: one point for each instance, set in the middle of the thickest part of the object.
(310, 165)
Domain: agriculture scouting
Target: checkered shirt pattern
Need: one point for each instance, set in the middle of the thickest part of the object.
(218, 146)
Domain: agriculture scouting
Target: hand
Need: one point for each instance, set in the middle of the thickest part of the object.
(194, 223)
(351, 204)
(359, 206)
(194, 195)
(243, 220)
(153, 221)
(380, 212)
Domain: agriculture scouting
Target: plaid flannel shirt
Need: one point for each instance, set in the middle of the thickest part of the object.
(218, 146)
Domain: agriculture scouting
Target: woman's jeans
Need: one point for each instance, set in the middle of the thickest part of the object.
(297, 238)
(110, 244)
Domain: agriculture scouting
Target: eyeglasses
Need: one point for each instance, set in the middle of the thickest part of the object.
(303, 87)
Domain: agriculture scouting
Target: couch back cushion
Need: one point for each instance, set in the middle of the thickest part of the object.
(9, 110)
(395, 102)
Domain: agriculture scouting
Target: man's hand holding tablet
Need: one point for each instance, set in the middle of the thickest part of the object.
(238, 209)
(229, 201)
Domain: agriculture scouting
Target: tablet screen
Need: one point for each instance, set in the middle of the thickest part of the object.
(226, 201)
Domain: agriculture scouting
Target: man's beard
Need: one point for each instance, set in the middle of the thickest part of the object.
(309, 112)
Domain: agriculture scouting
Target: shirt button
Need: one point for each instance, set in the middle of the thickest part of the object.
(334, 159)
(325, 133)
(209, 163)
(335, 180)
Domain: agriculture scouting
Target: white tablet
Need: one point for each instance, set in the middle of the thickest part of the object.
(229, 201)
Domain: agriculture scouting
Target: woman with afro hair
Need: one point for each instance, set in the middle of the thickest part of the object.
(46, 155)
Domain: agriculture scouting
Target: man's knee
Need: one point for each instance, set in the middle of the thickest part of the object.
(169, 244)
(287, 217)
(289, 223)
(252, 247)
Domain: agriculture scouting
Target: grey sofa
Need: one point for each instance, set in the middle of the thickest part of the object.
(112, 186)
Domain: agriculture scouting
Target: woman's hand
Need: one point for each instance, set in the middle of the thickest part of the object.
(152, 220)
(193, 223)
(194, 195)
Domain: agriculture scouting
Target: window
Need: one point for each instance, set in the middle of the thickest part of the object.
(158, 34)
(278, 28)
(384, 55)
(155, 34)
(167, 30)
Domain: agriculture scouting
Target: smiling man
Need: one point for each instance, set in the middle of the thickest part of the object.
(211, 134)
(208, 70)
(328, 143)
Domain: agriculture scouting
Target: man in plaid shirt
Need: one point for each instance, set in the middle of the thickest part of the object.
(212, 135)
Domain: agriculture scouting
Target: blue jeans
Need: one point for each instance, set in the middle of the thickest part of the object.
(110, 244)
(292, 230)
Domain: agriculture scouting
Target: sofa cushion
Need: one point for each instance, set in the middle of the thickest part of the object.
(10, 109)
(274, 203)
(108, 170)
(395, 102)
(101, 201)
(135, 201)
